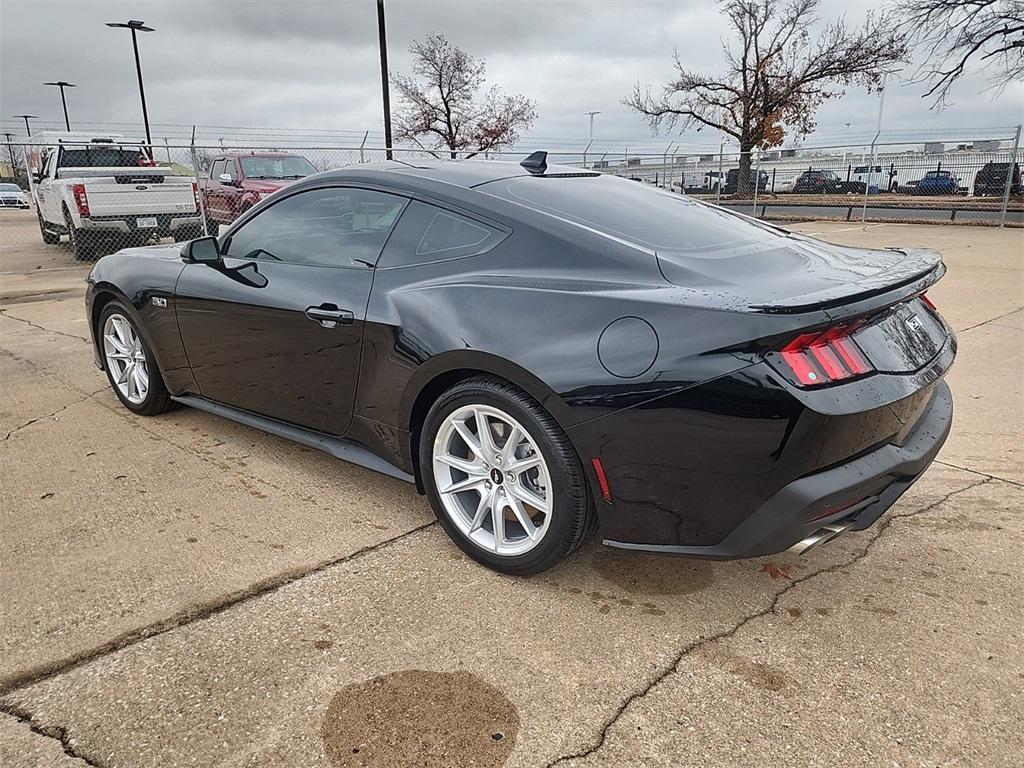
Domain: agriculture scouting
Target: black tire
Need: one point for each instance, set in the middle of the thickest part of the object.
(83, 246)
(572, 517)
(157, 399)
(50, 238)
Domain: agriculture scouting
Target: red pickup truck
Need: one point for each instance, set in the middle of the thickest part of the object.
(237, 181)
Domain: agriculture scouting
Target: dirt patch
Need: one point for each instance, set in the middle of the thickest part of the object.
(420, 718)
(757, 673)
(640, 574)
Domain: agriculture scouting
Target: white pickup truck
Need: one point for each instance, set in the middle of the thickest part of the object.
(100, 190)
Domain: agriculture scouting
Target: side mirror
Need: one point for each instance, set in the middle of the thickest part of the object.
(202, 251)
(225, 178)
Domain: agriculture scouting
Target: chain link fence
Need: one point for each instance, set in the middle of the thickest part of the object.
(93, 197)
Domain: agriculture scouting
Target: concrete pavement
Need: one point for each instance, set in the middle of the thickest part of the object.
(185, 591)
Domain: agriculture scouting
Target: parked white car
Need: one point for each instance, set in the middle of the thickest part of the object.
(12, 196)
(99, 188)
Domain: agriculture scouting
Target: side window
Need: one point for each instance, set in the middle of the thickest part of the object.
(216, 169)
(333, 227)
(427, 233)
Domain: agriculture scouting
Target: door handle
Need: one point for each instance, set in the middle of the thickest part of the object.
(329, 315)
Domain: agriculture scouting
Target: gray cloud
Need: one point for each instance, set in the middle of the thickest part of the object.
(313, 64)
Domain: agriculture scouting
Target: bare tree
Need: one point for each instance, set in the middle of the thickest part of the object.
(954, 32)
(779, 72)
(443, 109)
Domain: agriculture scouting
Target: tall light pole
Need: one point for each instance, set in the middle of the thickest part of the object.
(135, 27)
(26, 118)
(592, 122)
(62, 84)
(385, 88)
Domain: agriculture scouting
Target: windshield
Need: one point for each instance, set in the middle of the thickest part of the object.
(661, 221)
(100, 156)
(9, 188)
(276, 167)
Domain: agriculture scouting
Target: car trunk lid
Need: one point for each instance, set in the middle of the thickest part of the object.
(799, 275)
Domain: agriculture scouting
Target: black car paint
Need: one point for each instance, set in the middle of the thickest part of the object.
(692, 447)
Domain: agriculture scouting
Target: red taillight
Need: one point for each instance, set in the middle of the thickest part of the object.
(195, 195)
(928, 302)
(825, 357)
(81, 201)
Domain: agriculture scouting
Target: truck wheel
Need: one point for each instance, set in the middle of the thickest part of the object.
(82, 245)
(50, 238)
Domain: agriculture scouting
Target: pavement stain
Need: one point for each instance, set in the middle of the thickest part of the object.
(758, 673)
(778, 571)
(640, 574)
(422, 718)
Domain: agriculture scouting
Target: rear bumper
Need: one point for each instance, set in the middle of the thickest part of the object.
(127, 224)
(859, 491)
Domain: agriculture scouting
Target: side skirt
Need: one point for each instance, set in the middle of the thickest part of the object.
(338, 447)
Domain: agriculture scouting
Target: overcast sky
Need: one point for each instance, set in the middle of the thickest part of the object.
(313, 64)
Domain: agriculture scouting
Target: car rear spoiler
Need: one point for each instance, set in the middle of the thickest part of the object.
(914, 274)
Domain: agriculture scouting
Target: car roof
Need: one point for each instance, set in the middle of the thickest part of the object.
(460, 173)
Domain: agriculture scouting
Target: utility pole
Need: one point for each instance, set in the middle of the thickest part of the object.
(384, 84)
(26, 118)
(62, 84)
(592, 122)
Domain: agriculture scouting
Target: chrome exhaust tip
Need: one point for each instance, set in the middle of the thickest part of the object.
(824, 534)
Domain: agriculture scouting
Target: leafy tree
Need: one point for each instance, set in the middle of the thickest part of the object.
(441, 105)
(779, 71)
(955, 32)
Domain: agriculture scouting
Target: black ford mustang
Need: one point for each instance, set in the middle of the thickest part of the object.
(545, 351)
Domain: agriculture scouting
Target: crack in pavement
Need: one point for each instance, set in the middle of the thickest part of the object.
(63, 408)
(979, 472)
(6, 313)
(189, 615)
(660, 677)
(990, 320)
(55, 732)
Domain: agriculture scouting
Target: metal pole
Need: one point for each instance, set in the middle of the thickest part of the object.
(1009, 178)
(597, 112)
(362, 144)
(385, 89)
(718, 181)
(757, 181)
(871, 165)
(142, 91)
(64, 103)
(202, 192)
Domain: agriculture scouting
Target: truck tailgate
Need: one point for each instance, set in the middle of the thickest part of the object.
(109, 198)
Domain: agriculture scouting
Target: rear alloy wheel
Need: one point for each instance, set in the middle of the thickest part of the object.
(503, 478)
(131, 370)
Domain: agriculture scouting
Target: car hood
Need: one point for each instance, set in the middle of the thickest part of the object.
(171, 252)
(802, 275)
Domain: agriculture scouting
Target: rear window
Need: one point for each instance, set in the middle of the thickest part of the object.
(637, 213)
(99, 157)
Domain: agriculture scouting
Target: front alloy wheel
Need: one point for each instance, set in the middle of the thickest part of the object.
(126, 359)
(129, 362)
